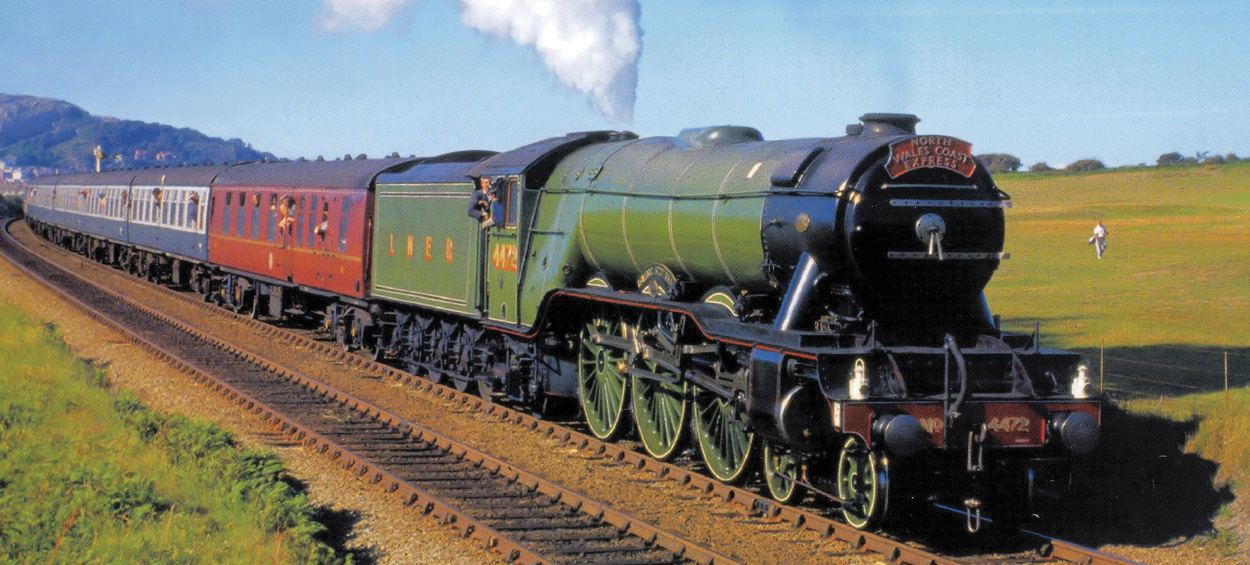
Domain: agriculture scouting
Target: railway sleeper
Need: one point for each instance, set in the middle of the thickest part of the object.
(502, 514)
(427, 477)
(628, 546)
(556, 536)
(367, 438)
(395, 456)
(539, 524)
(474, 492)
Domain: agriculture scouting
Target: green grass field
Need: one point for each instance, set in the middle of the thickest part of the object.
(1170, 297)
(87, 476)
(1174, 284)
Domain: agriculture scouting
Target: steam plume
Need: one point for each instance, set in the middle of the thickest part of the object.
(592, 46)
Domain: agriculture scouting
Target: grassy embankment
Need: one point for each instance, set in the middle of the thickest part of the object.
(88, 476)
(1170, 296)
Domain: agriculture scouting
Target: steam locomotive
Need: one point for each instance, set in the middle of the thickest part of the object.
(811, 308)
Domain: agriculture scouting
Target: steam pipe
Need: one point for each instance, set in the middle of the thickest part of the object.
(799, 294)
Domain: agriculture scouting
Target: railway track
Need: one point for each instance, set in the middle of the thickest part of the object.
(476, 492)
(520, 516)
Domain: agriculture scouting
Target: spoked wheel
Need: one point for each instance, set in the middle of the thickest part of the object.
(726, 445)
(781, 471)
(660, 407)
(660, 416)
(863, 484)
(601, 379)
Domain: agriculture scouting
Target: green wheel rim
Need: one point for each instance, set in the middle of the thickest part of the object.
(781, 470)
(601, 380)
(726, 445)
(862, 484)
(660, 415)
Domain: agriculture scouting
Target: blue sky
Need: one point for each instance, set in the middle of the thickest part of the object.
(1045, 81)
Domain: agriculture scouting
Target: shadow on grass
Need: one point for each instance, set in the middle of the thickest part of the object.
(340, 529)
(1168, 370)
(1139, 487)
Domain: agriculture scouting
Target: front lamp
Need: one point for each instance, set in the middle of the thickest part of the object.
(1080, 385)
(857, 388)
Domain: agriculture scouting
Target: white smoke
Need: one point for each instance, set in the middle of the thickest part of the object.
(592, 46)
(359, 15)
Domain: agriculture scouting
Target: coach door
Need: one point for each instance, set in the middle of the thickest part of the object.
(285, 217)
(502, 204)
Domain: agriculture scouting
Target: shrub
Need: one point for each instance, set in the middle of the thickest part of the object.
(1169, 159)
(1086, 165)
(1040, 168)
(999, 162)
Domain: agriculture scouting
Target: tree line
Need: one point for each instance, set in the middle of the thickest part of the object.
(1002, 162)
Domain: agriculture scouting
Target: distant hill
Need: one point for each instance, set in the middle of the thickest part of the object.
(42, 132)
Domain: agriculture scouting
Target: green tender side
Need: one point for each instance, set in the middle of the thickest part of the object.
(425, 248)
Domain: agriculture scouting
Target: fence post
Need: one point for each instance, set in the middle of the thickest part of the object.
(1226, 380)
(1102, 346)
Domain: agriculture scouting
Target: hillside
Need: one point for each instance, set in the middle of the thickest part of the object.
(42, 132)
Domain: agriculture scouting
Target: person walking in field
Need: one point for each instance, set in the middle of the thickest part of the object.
(1099, 239)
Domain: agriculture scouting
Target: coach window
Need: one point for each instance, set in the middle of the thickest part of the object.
(299, 222)
(240, 218)
(344, 216)
(299, 228)
(227, 211)
(256, 215)
(272, 225)
(193, 210)
(312, 220)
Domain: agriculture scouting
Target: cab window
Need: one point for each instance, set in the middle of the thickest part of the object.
(512, 202)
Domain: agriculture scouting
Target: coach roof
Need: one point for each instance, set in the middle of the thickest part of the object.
(449, 168)
(355, 173)
(179, 176)
(110, 178)
(543, 154)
